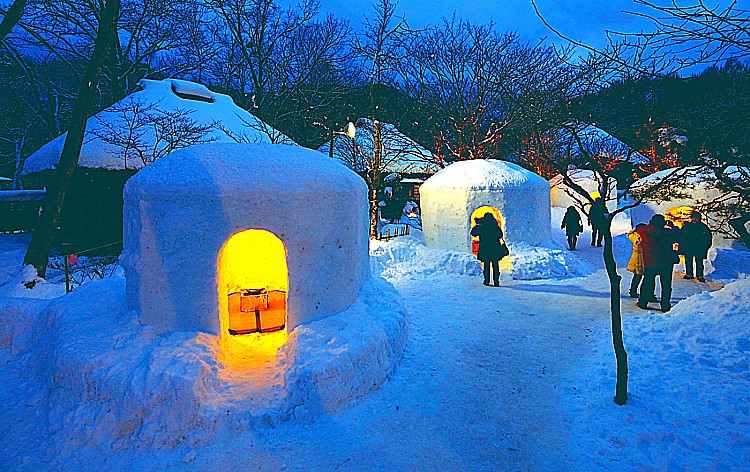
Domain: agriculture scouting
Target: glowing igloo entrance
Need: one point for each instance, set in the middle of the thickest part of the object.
(679, 215)
(480, 213)
(253, 283)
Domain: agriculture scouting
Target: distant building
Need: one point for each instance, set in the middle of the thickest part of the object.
(158, 118)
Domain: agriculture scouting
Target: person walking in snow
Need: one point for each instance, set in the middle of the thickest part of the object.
(596, 213)
(695, 241)
(659, 259)
(635, 265)
(571, 223)
(490, 246)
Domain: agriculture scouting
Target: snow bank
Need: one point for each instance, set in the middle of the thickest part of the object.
(113, 383)
(674, 421)
(408, 257)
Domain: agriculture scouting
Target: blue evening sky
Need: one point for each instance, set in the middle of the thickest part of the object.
(584, 20)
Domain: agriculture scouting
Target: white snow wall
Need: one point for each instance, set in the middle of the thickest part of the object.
(180, 210)
(449, 197)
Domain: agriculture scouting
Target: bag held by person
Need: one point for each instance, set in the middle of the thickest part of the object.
(504, 251)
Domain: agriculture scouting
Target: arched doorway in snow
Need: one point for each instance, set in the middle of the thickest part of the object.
(479, 213)
(253, 283)
(679, 215)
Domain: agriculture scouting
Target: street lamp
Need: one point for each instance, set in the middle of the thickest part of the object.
(351, 131)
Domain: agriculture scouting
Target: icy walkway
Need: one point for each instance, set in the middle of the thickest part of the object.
(489, 381)
(480, 386)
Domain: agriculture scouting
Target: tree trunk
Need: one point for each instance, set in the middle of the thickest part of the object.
(621, 388)
(11, 18)
(38, 251)
(739, 225)
(377, 160)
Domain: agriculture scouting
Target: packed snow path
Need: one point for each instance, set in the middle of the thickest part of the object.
(479, 387)
(490, 380)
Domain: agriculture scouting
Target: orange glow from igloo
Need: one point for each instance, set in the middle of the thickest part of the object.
(253, 283)
(479, 213)
(679, 215)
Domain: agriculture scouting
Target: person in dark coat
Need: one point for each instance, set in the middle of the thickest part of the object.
(571, 223)
(596, 213)
(489, 234)
(659, 259)
(695, 242)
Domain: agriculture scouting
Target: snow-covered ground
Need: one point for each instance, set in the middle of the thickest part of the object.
(519, 377)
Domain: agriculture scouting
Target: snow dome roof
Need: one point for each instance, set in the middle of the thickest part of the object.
(212, 169)
(194, 103)
(490, 174)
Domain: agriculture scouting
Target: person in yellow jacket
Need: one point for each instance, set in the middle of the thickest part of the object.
(635, 265)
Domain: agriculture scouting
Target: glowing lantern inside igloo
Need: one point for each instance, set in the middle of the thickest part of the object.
(253, 283)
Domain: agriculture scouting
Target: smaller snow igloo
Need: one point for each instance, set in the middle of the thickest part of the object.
(450, 199)
(679, 210)
(232, 239)
(561, 196)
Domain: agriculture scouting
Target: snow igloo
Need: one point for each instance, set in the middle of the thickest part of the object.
(452, 198)
(679, 210)
(243, 239)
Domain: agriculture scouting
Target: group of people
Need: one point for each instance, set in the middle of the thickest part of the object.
(654, 256)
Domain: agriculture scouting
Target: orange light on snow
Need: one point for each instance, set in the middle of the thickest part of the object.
(253, 281)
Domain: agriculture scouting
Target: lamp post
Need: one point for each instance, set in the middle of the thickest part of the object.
(351, 131)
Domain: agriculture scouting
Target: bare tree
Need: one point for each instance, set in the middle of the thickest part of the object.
(279, 63)
(11, 17)
(380, 47)
(37, 254)
(151, 38)
(144, 132)
(487, 90)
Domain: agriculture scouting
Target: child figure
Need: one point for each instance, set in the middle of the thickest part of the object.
(635, 265)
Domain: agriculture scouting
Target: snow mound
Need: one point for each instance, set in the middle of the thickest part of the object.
(675, 420)
(725, 265)
(25, 283)
(486, 174)
(114, 383)
(713, 327)
(408, 257)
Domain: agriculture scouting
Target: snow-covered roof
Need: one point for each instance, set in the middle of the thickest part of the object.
(488, 174)
(599, 142)
(400, 152)
(216, 113)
